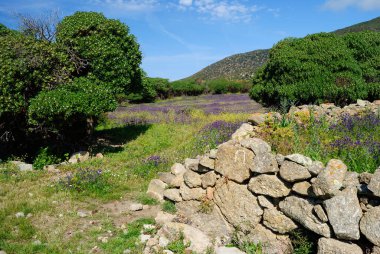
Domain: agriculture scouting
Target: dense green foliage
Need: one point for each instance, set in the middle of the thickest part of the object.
(112, 53)
(321, 67)
(58, 89)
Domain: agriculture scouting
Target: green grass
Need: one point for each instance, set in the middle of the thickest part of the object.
(126, 172)
(169, 207)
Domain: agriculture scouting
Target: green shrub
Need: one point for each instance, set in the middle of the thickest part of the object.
(112, 53)
(187, 87)
(320, 68)
(77, 104)
(43, 158)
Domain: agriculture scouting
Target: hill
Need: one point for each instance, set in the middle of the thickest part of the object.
(242, 66)
(235, 67)
(372, 25)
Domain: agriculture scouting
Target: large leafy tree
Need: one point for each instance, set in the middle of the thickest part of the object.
(112, 53)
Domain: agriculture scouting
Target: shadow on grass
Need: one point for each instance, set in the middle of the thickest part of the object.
(112, 140)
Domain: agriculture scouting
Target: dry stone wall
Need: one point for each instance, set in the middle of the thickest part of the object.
(260, 197)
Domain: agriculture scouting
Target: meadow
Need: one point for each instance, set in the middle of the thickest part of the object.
(137, 141)
(84, 207)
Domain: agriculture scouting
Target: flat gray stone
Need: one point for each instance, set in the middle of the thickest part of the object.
(315, 168)
(291, 172)
(301, 211)
(209, 179)
(207, 163)
(333, 246)
(173, 195)
(192, 164)
(318, 210)
(199, 241)
(192, 179)
(330, 180)
(163, 218)
(271, 243)
(178, 169)
(351, 180)
(135, 207)
(256, 145)
(344, 213)
(166, 177)
(278, 222)
(192, 194)
(374, 183)
(237, 204)
(156, 189)
(280, 159)
(303, 188)
(299, 159)
(264, 163)
(233, 162)
(264, 202)
(370, 225)
(269, 185)
(365, 177)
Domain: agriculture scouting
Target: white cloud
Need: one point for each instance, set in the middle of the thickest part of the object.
(229, 10)
(185, 2)
(367, 5)
(128, 5)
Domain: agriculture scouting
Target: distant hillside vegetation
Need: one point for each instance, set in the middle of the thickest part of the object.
(235, 67)
(243, 66)
(371, 25)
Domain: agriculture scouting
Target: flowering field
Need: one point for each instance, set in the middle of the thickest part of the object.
(185, 109)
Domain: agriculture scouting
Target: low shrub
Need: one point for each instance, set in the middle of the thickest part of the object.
(44, 157)
(319, 68)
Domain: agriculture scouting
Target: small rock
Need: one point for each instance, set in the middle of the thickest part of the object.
(374, 184)
(277, 221)
(192, 164)
(330, 180)
(370, 225)
(20, 215)
(362, 103)
(234, 162)
(148, 226)
(82, 214)
(95, 249)
(318, 210)
(2, 252)
(344, 213)
(135, 207)
(37, 242)
(299, 159)
(207, 163)
(301, 210)
(228, 250)
(168, 252)
(280, 159)
(243, 132)
(292, 172)
(365, 177)
(156, 189)
(257, 118)
(209, 179)
(173, 194)
(177, 169)
(127, 251)
(315, 168)
(237, 204)
(191, 194)
(103, 239)
(166, 177)
(51, 169)
(351, 180)
(99, 156)
(22, 166)
(29, 215)
(303, 188)
(213, 153)
(163, 218)
(332, 246)
(144, 238)
(163, 241)
(192, 179)
(264, 202)
(79, 157)
(269, 185)
(264, 163)
(256, 145)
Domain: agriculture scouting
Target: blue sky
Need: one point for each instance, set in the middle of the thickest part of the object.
(180, 37)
